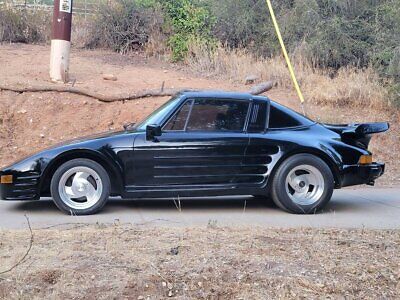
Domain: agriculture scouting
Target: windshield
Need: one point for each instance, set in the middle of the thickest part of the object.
(156, 117)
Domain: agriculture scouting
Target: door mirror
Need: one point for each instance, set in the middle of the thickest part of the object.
(152, 131)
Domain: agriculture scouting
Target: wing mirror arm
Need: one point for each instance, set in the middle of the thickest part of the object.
(153, 131)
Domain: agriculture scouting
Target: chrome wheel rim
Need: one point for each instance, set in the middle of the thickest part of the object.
(80, 188)
(305, 185)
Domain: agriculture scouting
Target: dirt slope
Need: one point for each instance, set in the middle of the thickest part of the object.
(32, 121)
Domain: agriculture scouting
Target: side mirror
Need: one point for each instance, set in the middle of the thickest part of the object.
(152, 131)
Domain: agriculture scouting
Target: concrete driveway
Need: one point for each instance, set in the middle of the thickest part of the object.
(372, 208)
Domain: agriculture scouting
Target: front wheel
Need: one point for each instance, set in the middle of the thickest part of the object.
(303, 184)
(80, 187)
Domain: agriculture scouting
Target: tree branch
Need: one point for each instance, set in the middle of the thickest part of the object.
(163, 92)
(22, 260)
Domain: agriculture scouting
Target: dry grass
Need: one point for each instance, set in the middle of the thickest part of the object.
(80, 33)
(24, 26)
(347, 87)
(157, 47)
(131, 262)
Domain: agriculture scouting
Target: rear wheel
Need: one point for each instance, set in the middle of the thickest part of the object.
(303, 184)
(80, 187)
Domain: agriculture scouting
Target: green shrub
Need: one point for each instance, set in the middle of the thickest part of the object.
(332, 33)
(190, 22)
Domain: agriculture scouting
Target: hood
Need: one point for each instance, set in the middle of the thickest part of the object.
(87, 138)
(82, 142)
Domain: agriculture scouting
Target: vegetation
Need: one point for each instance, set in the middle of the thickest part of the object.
(327, 33)
(123, 26)
(324, 34)
(24, 26)
(190, 24)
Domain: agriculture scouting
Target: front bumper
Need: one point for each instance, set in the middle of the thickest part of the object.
(25, 186)
(362, 174)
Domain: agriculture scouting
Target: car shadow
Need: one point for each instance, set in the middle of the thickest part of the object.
(219, 203)
(116, 205)
(342, 206)
(239, 203)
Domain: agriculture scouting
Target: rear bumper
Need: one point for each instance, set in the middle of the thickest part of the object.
(25, 186)
(362, 174)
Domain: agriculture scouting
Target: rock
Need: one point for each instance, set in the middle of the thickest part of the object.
(174, 251)
(22, 111)
(250, 79)
(140, 298)
(42, 135)
(111, 77)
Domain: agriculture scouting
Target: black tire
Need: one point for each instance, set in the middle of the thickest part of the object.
(86, 163)
(279, 190)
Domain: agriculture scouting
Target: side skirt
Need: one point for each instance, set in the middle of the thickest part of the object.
(190, 191)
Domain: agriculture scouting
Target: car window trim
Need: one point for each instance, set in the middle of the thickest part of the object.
(266, 123)
(177, 110)
(189, 114)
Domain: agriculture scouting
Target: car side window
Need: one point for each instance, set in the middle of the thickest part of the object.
(258, 117)
(178, 121)
(218, 115)
(280, 119)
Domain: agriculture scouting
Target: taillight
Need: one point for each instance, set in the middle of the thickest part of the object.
(365, 160)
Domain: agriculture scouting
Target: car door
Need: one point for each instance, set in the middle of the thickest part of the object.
(203, 143)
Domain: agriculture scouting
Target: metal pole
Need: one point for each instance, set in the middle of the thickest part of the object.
(61, 40)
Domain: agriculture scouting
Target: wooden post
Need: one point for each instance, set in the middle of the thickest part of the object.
(61, 40)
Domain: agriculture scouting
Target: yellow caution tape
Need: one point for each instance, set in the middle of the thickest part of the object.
(278, 33)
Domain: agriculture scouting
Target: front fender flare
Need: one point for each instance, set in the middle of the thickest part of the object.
(113, 168)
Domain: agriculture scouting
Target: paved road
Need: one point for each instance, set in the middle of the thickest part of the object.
(374, 208)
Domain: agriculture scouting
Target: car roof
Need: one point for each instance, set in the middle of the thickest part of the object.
(220, 94)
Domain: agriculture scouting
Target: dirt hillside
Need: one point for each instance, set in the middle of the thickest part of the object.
(32, 121)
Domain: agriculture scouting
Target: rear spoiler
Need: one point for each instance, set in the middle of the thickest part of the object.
(371, 128)
(358, 134)
(359, 130)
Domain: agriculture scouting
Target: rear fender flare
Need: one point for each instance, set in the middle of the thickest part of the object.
(333, 161)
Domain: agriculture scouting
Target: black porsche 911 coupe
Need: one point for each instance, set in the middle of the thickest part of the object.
(203, 144)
